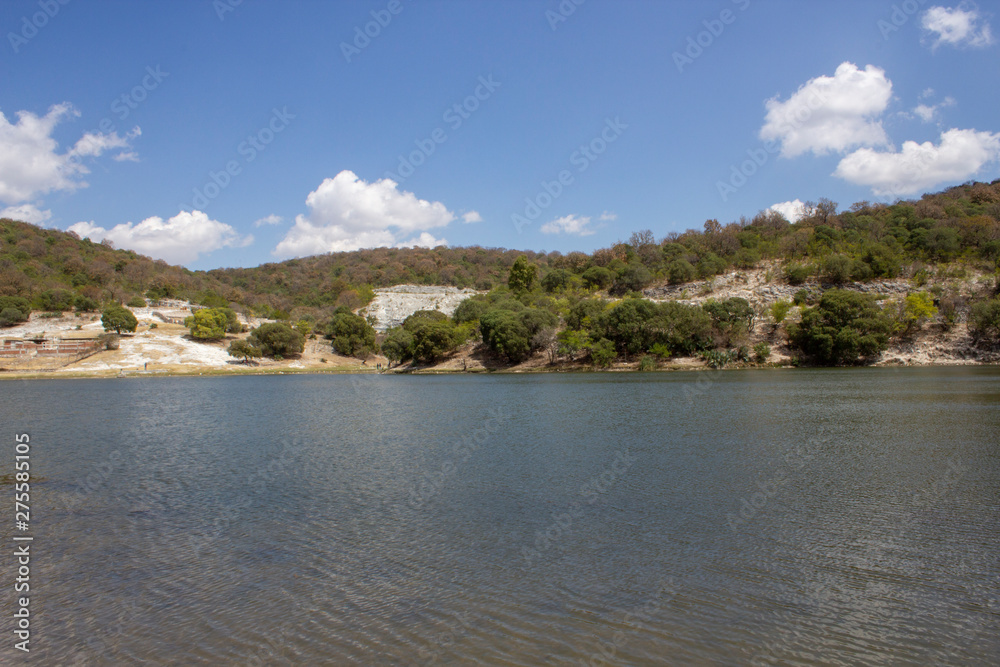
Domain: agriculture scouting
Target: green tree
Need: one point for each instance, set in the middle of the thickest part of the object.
(984, 320)
(733, 318)
(597, 277)
(632, 279)
(350, 335)
(602, 353)
(505, 334)
(557, 280)
(244, 350)
(207, 324)
(118, 318)
(398, 345)
(434, 340)
(681, 271)
(522, 275)
(844, 328)
(917, 309)
(13, 309)
(277, 339)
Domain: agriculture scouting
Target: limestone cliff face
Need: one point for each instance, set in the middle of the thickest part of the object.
(394, 304)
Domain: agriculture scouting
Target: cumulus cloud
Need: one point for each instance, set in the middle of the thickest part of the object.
(30, 164)
(269, 220)
(26, 213)
(608, 215)
(472, 216)
(830, 113)
(347, 213)
(425, 240)
(919, 167)
(179, 240)
(570, 224)
(793, 210)
(928, 112)
(956, 26)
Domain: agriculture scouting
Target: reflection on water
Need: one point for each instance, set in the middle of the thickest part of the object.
(758, 517)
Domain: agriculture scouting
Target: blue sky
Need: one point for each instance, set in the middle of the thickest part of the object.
(226, 133)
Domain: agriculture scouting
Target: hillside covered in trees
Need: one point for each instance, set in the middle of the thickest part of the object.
(535, 296)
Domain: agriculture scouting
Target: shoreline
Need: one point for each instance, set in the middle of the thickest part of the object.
(537, 370)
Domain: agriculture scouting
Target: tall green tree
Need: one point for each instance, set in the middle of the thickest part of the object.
(522, 275)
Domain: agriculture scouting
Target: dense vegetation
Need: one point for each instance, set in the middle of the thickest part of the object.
(556, 302)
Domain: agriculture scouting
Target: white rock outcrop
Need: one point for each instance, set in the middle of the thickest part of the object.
(392, 305)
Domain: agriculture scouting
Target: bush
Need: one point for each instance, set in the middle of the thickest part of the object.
(84, 304)
(917, 308)
(213, 323)
(598, 277)
(602, 353)
(632, 279)
(845, 327)
(800, 297)
(556, 280)
(761, 351)
(117, 318)
(647, 363)
(505, 334)
(136, 302)
(277, 339)
(984, 320)
(350, 335)
(680, 271)
(796, 274)
(55, 300)
(109, 341)
(779, 310)
(731, 317)
(470, 310)
(837, 269)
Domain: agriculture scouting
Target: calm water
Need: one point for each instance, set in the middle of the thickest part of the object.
(761, 517)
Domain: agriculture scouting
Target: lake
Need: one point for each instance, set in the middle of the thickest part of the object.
(792, 517)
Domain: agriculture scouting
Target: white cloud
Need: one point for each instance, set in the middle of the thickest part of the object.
(957, 26)
(179, 240)
(830, 113)
(929, 112)
(608, 215)
(269, 220)
(26, 213)
(919, 167)
(425, 240)
(347, 213)
(569, 224)
(472, 216)
(30, 164)
(793, 210)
